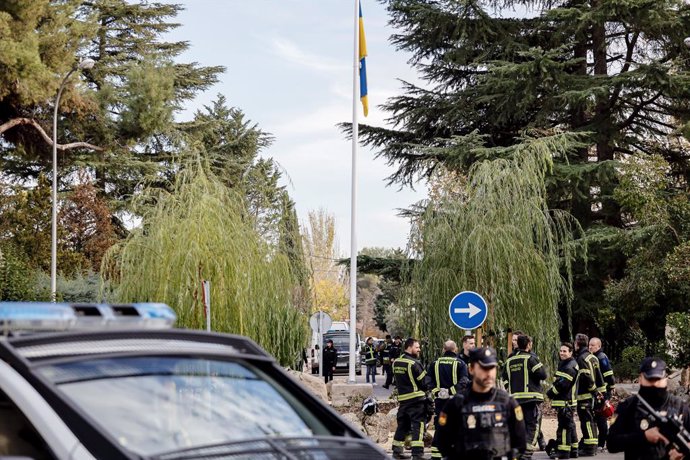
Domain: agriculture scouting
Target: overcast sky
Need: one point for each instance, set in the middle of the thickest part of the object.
(289, 69)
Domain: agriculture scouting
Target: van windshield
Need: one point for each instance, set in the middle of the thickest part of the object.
(340, 342)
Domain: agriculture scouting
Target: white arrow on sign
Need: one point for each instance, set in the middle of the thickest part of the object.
(471, 310)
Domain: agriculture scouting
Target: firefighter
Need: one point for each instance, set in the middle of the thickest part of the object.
(329, 360)
(562, 395)
(448, 376)
(385, 355)
(631, 430)
(609, 381)
(483, 422)
(413, 383)
(524, 372)
(589, 381)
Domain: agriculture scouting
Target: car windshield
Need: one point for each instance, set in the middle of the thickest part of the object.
(340, 342)
(151, 405)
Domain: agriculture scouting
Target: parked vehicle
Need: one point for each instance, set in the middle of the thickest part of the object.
(94, 381)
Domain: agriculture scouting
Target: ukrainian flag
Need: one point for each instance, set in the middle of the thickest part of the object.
(362, 64)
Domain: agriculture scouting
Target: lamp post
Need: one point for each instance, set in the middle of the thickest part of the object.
(85, 64)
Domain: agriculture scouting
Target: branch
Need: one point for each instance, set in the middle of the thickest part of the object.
(62, 147)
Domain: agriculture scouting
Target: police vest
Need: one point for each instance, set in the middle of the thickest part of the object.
(370, 355)
(519, 369)
(409, 378)
(485, 426)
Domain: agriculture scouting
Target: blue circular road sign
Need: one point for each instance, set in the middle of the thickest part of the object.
(468, 310)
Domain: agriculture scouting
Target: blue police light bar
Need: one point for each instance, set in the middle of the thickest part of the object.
(44, 316)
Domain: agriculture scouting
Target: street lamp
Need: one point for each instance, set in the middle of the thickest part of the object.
(83, 65)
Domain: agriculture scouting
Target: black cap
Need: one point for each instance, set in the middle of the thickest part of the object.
(485, 356)
(329, 341)
(653, 368)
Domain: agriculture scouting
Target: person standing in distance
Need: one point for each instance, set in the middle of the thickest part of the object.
(589, 379)
(369, 352)
(609, 382)
(484, 422)
(524, 372)
(631, 432)
(329, 360)
(467, 346)
(563, 399)
(448, 376)
(413, 383)
(385, 354)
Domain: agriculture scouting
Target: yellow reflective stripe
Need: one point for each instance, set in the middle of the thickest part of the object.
(601, 388)
(437, 366)
(409, 374)
(421, 433)
(564, 375)
(455, 372)
(421, 376)
(555, 391)
(398, 443)
(537, 366)
(584, 397)
(607, 373)
(407, 396)
(558, 403)
(527, 394)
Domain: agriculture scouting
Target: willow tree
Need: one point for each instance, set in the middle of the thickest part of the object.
(201, 231)
(495, 235)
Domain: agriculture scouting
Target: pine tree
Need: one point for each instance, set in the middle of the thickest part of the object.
(615, 70)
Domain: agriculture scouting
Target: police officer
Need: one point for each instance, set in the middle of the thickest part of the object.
(589, 380)
(329, 360)
(524, 372)
(448, 376)
(563, 399)
(609, 382)
(631, 432)
(369, 352)
(385, 354)
(413, 383)
(483, 422)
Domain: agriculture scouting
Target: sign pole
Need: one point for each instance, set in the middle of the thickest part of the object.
(319, 333)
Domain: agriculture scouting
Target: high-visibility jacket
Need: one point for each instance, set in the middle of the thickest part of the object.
(563, 391)
(369, 353)
(524, 372)
(385, 353)
(410, 378)
(448, 372)
(606, 369)
(589, 378)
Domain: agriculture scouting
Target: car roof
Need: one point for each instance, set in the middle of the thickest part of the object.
(87, 344)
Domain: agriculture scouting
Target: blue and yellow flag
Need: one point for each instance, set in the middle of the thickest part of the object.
(363, 64)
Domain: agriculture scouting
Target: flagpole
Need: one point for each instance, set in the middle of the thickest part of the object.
(353, 202)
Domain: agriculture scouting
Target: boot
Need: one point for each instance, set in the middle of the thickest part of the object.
(574, 453)
(419, 457)
(550, 448)
(399, 453)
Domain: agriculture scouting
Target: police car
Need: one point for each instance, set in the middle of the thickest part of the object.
(98, 381)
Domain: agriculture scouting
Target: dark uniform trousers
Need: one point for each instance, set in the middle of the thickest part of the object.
(388, 372)
(411, 420)
(532, 413)
(566, 434)
(585, 413)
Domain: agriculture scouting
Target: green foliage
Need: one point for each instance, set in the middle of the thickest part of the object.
(501, 240)
(628, 368)
(16, 276)
(678, 339)
(198, 232)
(616, 71)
